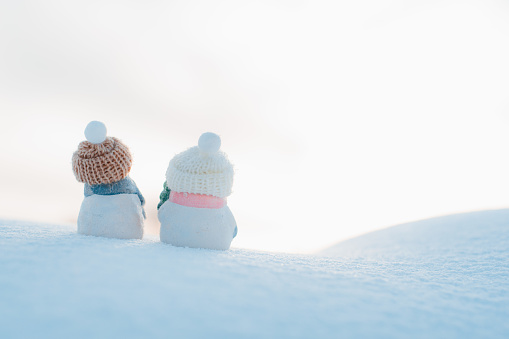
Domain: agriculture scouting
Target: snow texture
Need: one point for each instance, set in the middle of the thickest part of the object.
(184, 226)
(440, 278)
(112, 216)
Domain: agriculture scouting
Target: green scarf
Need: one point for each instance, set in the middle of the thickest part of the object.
(165, 195)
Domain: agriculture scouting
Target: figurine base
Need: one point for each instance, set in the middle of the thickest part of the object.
(183, 226)
(111, 216)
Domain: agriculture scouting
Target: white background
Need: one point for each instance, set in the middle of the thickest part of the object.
(341, 117)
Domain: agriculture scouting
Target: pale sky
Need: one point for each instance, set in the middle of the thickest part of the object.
(341, 117)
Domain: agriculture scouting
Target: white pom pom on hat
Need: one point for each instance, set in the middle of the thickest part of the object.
(209, 143)
(95, 132)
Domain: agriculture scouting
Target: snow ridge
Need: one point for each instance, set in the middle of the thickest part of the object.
(56, 283)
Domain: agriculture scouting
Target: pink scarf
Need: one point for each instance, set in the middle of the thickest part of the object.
(197, 200)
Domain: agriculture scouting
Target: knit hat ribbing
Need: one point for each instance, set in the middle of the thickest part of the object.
(201, 170)
(102, 163)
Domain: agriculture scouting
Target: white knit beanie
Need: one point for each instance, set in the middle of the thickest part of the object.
(202, 169)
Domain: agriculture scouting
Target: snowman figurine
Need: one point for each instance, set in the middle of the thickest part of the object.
(113, 204)
(193, 210)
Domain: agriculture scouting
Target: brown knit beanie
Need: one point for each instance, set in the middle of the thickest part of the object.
(101, 163)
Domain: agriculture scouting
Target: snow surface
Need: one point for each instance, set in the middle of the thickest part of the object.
(441, 278)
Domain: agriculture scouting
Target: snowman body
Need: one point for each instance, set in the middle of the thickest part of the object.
(185, 226)
(112, 216)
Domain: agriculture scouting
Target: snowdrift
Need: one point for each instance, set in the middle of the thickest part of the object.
(444, 278)
(460, 236)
